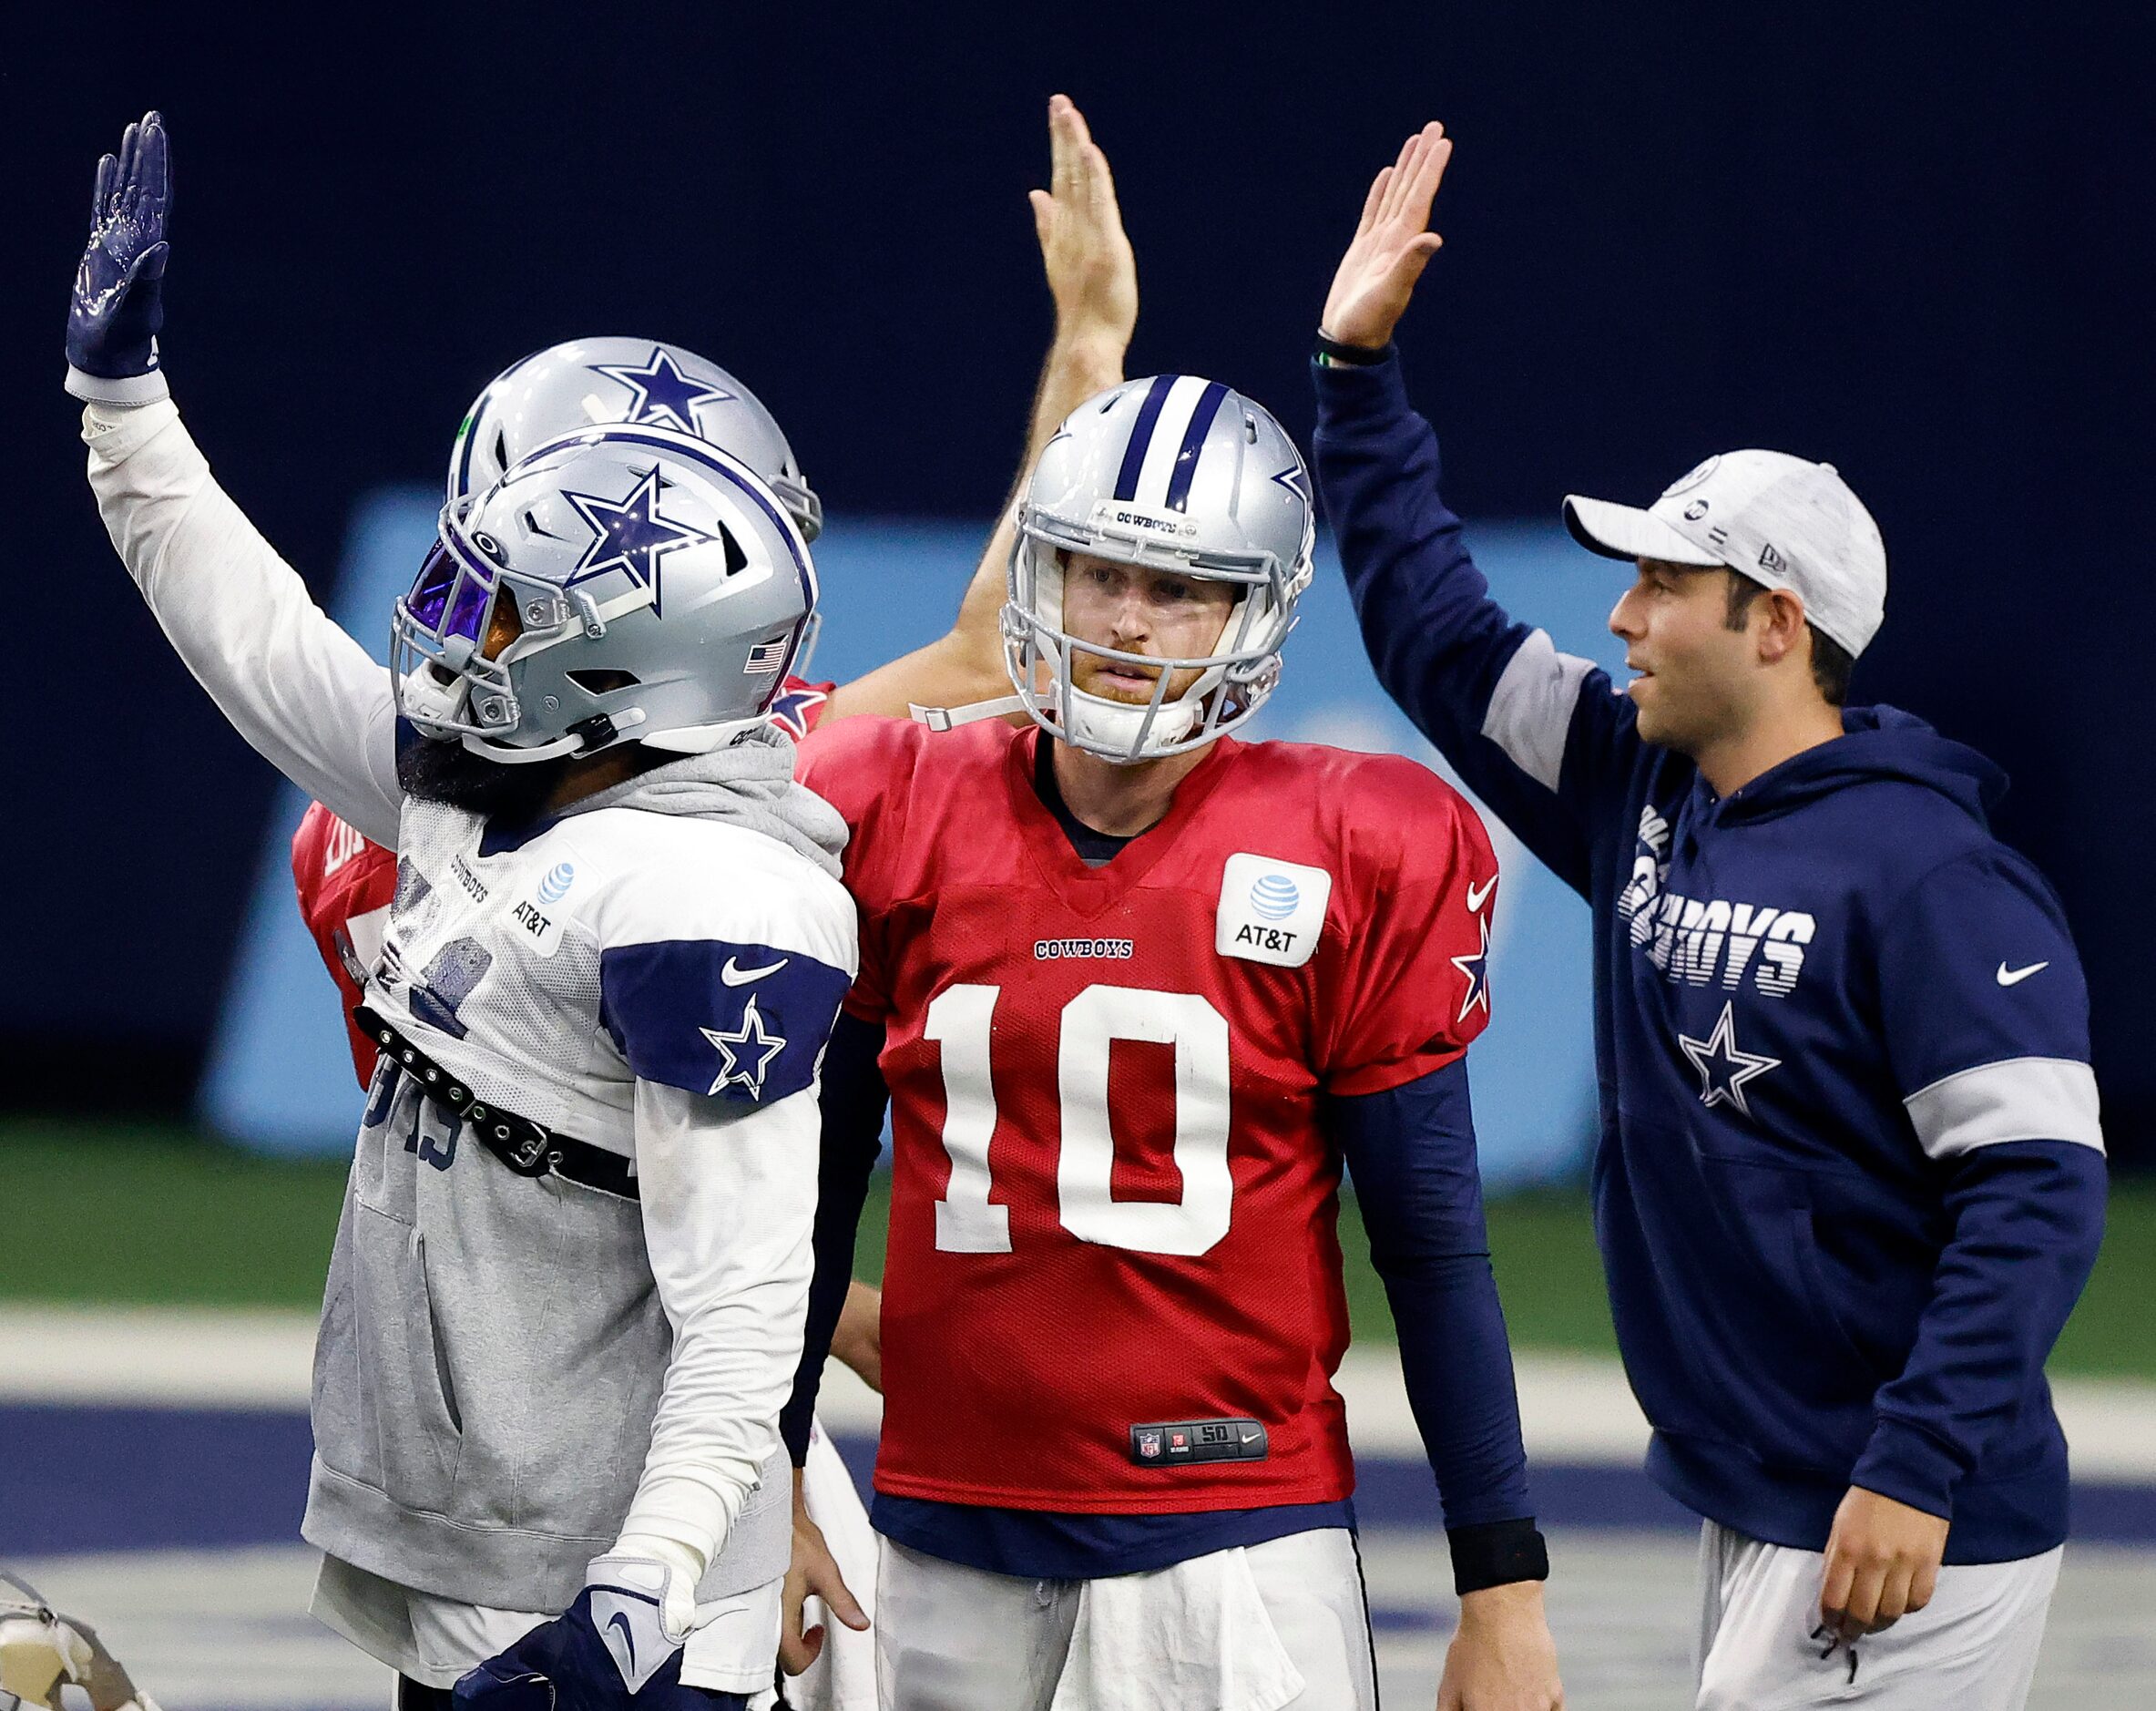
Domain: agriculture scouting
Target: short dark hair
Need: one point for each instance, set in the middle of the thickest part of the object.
(1830, 661)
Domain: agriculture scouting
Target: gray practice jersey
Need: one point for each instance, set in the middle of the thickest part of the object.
(512, 1373)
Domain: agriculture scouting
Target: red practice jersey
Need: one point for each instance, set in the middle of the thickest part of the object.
(346, 883)
(345, 886)
(1113, 1202)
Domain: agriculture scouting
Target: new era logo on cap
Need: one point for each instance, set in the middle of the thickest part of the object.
(1781, 520)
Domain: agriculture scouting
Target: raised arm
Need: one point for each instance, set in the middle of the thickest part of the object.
(304, 693)
(1538, 735)
(1093, 278)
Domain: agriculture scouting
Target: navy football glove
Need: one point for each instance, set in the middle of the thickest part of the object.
(612, 1650)
(118, 306)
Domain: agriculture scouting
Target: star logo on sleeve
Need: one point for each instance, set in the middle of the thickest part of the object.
(790, 710)
(745, 1056)
(662, 393)
(1724, 1069)
(1476, 965)
(630, 535)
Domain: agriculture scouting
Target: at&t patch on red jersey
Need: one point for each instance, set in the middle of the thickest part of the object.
(1270, 911)
(1113, 1204)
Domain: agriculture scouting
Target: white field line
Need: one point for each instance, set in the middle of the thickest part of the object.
(1574, 1409)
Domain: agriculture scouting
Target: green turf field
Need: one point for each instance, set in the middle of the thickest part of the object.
(112, 1214)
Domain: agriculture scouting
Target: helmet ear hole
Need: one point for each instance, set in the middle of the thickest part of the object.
(595, 681)
(736, 559)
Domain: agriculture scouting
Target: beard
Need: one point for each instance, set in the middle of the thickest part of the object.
(441, 769)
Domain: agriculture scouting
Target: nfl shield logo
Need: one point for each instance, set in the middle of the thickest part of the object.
(1149, 1444)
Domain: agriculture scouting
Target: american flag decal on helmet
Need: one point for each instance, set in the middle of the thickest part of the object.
(765, 658)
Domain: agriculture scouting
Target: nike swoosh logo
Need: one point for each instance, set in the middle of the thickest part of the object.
(733, 974)
(2013, 977)
(619, 1619)
(1477, 896)
(1249, 1437)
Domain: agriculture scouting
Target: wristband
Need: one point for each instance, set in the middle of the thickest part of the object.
(1497, 1553)
(1332, 354)
(122, 391)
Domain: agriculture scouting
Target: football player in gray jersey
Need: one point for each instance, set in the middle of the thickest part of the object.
(561, 985)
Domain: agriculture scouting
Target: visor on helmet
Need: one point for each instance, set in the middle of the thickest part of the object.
(451, 597)
(444, 684)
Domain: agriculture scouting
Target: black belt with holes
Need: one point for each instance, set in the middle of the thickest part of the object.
(528, 1148)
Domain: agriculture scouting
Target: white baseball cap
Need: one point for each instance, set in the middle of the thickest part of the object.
(1780, 520)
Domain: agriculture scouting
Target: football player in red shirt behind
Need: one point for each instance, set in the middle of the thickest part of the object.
(1137, 991)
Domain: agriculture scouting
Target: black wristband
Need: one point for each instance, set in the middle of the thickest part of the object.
(1332, 352)
(1496, 1553)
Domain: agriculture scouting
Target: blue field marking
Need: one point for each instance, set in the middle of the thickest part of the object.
(76, 1478)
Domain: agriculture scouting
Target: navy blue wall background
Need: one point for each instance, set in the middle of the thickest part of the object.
(1911, 244)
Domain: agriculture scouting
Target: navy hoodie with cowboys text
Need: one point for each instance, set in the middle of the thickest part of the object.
(1849, 1179)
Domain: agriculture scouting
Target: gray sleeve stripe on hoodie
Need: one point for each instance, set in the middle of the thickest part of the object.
(1530, 711)
(2018, 1099)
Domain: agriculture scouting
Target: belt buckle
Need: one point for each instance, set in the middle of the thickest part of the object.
(522, 1145)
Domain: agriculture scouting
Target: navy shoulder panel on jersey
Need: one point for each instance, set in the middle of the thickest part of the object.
(716, 1017)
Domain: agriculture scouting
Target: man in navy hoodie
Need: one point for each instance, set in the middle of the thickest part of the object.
(1849, 1180)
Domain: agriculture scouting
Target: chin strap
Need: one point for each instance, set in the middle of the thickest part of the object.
(949, 718)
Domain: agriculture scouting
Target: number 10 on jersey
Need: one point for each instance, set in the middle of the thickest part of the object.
(968, 1221)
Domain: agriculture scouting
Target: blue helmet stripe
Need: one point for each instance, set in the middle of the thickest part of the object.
(1141, 436)
(1186, 457)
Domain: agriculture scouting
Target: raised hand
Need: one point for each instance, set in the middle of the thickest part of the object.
(118, 307)
(1393, 244)
(1092, 273)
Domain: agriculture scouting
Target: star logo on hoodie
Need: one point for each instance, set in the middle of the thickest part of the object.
(1723, 1068)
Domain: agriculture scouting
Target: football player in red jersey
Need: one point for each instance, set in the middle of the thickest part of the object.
(1138, 989)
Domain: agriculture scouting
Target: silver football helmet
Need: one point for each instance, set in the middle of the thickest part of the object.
(1177, 474)
(656, 589)
(588, 383)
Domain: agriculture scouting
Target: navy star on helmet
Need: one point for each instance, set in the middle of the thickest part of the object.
(659, 592)
(589, 383)
(630, 535)
(1177, 474)
(661, 392)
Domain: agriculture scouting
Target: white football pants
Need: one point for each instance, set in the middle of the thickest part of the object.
(1266, 1628)
(1972, 1648)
